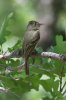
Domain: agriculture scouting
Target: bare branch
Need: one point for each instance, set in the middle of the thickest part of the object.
(15, 54)
(2, 89)
(18, 53)
(52, 55)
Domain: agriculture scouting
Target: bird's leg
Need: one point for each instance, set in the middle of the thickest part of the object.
(26, 67)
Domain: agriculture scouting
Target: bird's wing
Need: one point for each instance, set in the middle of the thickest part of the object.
(32, 36)
(30, 41)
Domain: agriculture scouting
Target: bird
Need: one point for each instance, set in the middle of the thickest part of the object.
(31, 38)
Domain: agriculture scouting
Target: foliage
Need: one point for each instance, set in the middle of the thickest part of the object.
(47, 76)
(44, 72)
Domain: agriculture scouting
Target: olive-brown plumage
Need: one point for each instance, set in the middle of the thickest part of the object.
(31, 38)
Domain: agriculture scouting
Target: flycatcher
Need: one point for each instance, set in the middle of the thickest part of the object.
(31, 38)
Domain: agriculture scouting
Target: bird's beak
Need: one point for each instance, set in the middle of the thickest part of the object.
(42, 24)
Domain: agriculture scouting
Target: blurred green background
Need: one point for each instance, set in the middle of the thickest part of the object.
(15, 14)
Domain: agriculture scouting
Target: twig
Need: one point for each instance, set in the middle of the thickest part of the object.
(2, 89)
(18, 53)
(15, 54)
(53, 55)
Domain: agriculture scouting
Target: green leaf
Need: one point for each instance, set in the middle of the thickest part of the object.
(61, 45)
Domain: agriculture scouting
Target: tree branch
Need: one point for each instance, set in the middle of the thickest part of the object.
(18, 53)
(2, 89)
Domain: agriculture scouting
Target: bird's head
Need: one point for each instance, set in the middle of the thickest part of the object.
(33, 25)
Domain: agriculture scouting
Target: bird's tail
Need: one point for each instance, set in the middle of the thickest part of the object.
(26, 67)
